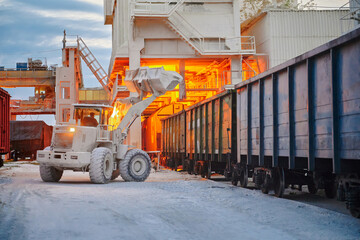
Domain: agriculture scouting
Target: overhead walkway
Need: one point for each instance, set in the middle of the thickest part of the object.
(44, 83)
(27, 78)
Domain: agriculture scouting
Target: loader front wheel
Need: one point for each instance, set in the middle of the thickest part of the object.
(101, 165)
(136, 166)
(50, 174)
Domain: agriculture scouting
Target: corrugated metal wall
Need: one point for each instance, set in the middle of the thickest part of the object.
(284, 34)
(293, 33)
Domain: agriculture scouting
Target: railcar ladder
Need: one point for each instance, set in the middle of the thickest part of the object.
(93, 65)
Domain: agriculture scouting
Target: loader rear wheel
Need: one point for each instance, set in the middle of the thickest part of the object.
(101, 165)
(136, 166)
(50, 174)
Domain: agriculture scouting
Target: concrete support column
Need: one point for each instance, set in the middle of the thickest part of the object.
(135, 46)
(236, 69)
(236, 13)
(182, 86)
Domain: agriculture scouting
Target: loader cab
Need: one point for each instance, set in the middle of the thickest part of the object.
(92, 115)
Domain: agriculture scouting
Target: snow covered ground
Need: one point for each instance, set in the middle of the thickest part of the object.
(168, 205)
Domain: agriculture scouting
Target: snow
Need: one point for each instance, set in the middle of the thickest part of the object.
(169, 205)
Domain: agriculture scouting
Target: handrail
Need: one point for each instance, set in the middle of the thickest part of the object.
(94, 65)
(150, 7)
(203, 45)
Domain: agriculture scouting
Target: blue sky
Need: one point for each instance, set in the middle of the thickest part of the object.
(34, 28)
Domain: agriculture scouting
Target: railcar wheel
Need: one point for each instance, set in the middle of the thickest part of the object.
(234, 178)
(202, 171)
(243, 177)
(208, 170)
(340, 194)
(279, 182)
(265, 187)
(312, 187)
(355, 212)
(257, 181)
(330, 189)
(190, 167)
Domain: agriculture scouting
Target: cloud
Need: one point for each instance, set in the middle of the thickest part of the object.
(5, 20)
(94, 2)
(92, 43)
(5, 3)
(98, 42)
(55, 41)
(67, 14)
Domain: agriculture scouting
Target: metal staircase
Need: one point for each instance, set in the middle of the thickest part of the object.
(93, 65)
(168, 10)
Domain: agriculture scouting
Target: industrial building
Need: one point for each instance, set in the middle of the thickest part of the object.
(208, 45)
(285, 34)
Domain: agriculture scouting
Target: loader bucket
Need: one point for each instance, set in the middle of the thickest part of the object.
(152, 80)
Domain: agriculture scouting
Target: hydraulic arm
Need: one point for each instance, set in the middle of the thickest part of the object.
(144, 81)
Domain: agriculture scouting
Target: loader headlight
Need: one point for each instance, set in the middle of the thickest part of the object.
(41, 155)
(73, 157)
(72, 129)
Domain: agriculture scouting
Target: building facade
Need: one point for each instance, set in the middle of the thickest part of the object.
(199, 39)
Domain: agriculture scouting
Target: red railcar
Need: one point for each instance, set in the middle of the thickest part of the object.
(4, 124)
(26, 137)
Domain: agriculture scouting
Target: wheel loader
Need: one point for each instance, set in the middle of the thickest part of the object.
(89, 144)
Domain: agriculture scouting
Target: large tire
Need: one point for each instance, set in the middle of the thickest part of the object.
(101, 165)
(136, 166)
(279, 182)
(50, 174)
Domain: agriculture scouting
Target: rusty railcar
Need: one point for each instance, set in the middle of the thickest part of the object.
(26, 137)
(4, 124)
(298, 124)
(202, 138)
(293, 125)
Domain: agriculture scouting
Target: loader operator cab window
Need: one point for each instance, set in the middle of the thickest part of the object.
(87, 117)
(90, 120)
